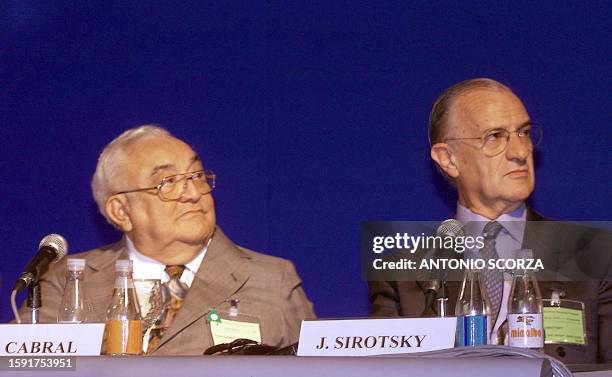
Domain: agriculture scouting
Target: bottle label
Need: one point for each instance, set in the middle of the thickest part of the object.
(471, 330)
(525, 330)
(122, 337)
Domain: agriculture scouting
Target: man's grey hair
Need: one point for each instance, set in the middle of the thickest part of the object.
(438, 118)
(112, 160)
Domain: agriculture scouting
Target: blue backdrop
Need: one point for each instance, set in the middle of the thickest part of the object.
(313, 114)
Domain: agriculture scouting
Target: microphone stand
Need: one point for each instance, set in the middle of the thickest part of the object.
(442, 300)
(430, 297)
(34, 300)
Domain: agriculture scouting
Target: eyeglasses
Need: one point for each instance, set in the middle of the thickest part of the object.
(174, 186)
(496, 141)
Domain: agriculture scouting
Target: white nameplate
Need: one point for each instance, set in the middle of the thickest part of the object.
(83, 339)
(368, 337)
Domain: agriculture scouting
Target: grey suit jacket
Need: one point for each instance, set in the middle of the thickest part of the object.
(268, 288)
(558, 242)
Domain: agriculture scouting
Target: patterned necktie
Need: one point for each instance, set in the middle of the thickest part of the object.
(493, 278)
(177, 291)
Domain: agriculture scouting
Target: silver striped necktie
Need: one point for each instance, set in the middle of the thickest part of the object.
(493, 278)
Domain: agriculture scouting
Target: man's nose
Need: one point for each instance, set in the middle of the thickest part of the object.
(191, 193)
(518, 148)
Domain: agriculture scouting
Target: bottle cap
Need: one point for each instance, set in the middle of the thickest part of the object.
(75, 264)
(124, 265)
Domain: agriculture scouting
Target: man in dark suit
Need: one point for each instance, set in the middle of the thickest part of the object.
(154, 189)
(482, 141)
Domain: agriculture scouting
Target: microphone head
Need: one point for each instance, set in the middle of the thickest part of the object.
(57, 243)
(450, 227)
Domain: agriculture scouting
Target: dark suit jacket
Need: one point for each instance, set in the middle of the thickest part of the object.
(268, 289)
(561, 243)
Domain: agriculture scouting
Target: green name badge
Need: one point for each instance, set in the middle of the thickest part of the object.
(563, 325)
(226, 331)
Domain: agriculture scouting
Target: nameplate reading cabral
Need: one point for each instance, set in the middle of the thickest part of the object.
(51, 339)
(368, 337)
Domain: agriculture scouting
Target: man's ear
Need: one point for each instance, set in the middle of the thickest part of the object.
(443, 156)
(117, 211)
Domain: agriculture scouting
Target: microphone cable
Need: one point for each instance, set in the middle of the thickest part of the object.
(14, 306)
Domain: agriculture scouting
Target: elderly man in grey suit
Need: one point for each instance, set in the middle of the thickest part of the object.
(153, 187)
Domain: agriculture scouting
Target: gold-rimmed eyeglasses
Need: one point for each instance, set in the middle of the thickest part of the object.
(173, 187)
(496, 141)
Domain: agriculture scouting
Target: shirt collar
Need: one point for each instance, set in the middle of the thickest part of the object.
(513, 222)
(143, 262)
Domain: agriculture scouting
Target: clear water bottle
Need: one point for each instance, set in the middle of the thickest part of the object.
(525, 324)
(75, 307)
(472, 311)
(123, 329)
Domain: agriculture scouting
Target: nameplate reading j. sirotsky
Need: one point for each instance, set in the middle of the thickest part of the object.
(51, 339)
(369, 337)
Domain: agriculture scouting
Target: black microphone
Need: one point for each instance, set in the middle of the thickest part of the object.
(448, 228)
(52, 248)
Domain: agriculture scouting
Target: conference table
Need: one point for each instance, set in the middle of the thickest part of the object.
(282, 366)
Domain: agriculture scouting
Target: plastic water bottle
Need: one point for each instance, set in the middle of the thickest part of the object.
(472, 311)
(75, 307)
(123, 327)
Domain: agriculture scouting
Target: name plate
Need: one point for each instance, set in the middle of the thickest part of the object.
(369, 337)
(83, 339)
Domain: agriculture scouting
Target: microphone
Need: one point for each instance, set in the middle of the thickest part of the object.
(52, 248)
(448, 228)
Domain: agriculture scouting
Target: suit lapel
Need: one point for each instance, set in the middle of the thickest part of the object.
(540, 236)
(224, 270)
(100, 281)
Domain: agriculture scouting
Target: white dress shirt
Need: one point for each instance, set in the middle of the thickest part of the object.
(149, 268)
